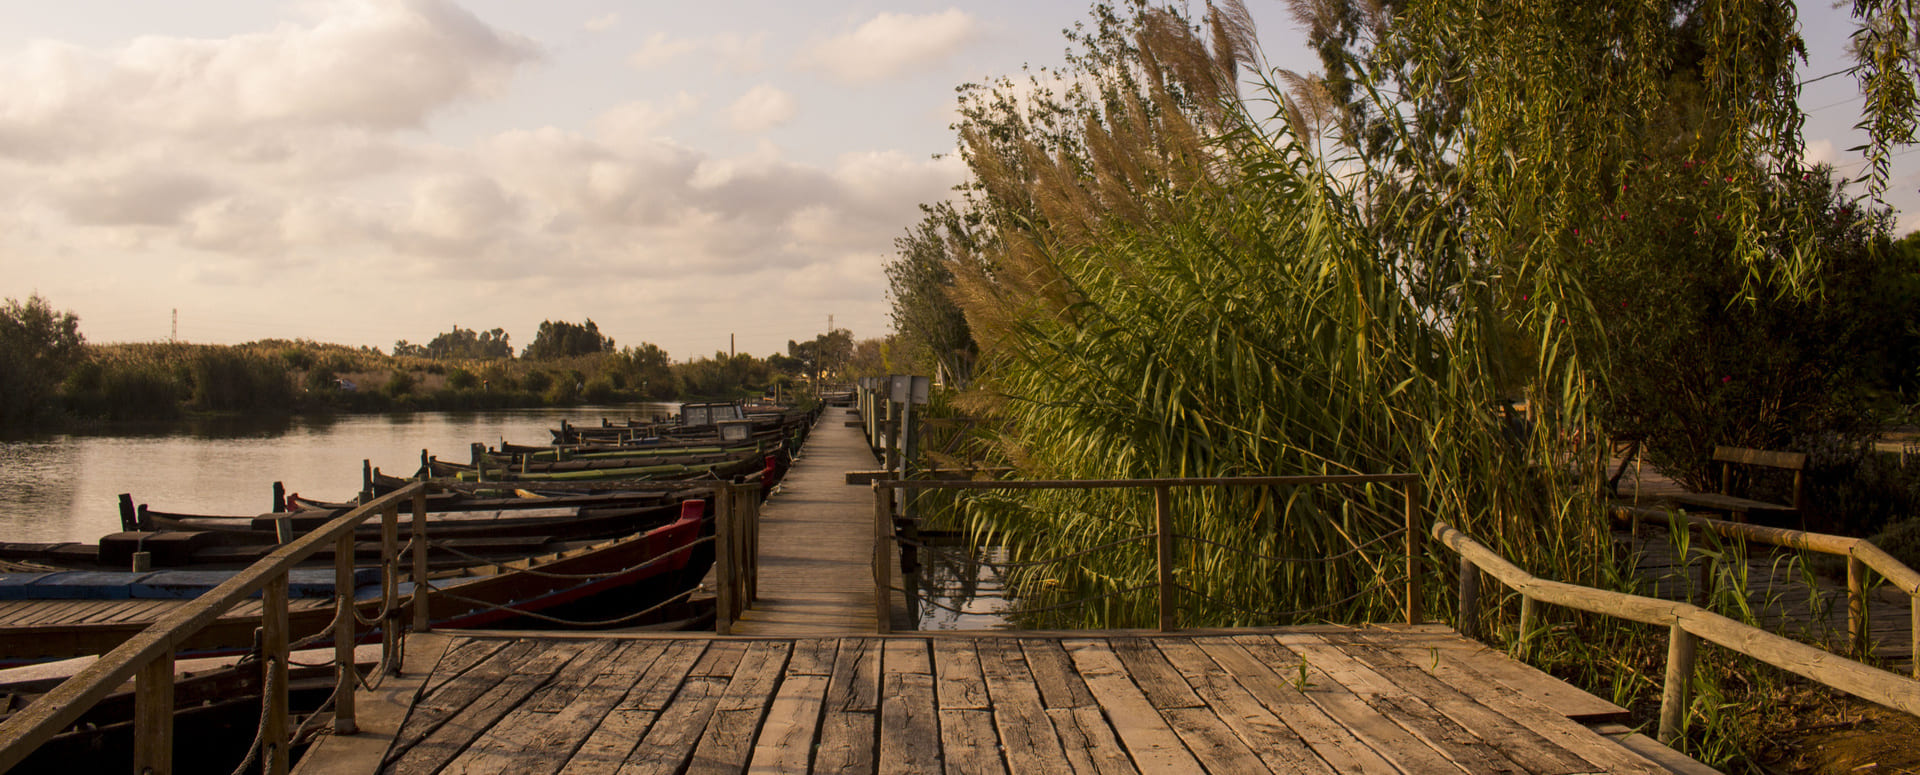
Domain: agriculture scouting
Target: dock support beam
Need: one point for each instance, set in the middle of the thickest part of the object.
(1682, 648)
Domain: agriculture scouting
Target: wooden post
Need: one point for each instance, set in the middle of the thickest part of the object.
(343, 636)
(1682, 647)
(723, 559)
(421, 620)
(279, 497)
(274, 756)
(1857, 606)
(153, 716)
(883, 557)
(129, 518)
(1529, 619)
(1415, 551)
(1163, 530)
(478, 453)
(1913, 613)
(366, 480)
(1703, 585)
(1469, 618)
(752, 504)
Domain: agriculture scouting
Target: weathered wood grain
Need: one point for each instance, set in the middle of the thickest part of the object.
(434, 751)
(1018, 716)
(1153, 744)
(727, 744)
(1271, 739)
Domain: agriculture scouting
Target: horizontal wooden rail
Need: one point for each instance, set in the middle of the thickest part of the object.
(884, 537)
(1860, 553)
(26, 730)
(1686, 623)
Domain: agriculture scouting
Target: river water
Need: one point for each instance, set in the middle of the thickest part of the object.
(66, 487)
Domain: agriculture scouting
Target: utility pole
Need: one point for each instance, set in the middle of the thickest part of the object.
(729, 345)
(175, 337)
(829, 324)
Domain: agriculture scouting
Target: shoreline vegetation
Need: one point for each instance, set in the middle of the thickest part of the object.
(52, 379)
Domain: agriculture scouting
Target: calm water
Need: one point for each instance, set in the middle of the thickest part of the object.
(66, 487)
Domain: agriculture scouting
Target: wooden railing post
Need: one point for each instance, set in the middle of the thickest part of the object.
(1682, 647)
(275, 758)
(723, 555)
(422, 621)
(153, 716)
(343, 636)
(1529, 619)
(883, 557)
(1469, 617)
(752, 509)
(1913, 627)
(1415, 549)
(1163, 530)
(1857, 606)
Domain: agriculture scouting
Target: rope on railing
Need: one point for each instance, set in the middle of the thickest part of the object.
(267, 689)
(1294, 613)
(576, 576)
(1003, 566)
(570, 622)
(1297, 560)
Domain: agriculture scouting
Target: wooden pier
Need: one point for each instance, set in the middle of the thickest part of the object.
(805, 685)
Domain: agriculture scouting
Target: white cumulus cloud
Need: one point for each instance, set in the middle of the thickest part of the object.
(890, 44)
(760, 109)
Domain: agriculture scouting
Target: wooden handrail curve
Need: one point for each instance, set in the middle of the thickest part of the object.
(23, 732)
(1687, 622)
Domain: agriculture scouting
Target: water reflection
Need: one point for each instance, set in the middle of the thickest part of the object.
(65, 487)
(957, 591)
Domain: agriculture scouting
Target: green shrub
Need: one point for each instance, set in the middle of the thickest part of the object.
(1902, 540)
(600, 390)
(400, 383)
(461, 379)
(537, 381)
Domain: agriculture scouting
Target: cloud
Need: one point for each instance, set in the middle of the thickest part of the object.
(658, 51)
(603, 23)
(368, 64)
(1819, 152)
(890, 45)
(642, 119)
(760, 109)
(730, 52)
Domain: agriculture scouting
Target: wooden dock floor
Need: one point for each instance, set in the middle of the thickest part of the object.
(816, 542)
(1306, 699)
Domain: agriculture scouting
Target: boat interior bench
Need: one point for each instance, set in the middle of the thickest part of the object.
(1742, 509)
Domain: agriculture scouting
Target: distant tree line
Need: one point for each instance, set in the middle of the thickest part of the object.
(49, 374)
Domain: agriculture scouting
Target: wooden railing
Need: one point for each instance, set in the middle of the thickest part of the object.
(885, 540)
(736, 552)
(148, 657)
(1687, 625)
(1861, 556)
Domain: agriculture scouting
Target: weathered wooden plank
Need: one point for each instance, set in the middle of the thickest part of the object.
(661, 680)
(1457, 702)
(500, 745)
(1515, 711)
(813, 656)
(432, 753)
(786, 741)
(1025, 733)
(1281, 748)
(1668, 759)
(627, 659)
(453, 695)
(727, 745)
(1162, 684)
(1466, 749)
(606, 747)
(852, 712)
(463, 654)
(1088, 741)
(1282, 697)
(968, 743)
(1425, 648)
(1211, 741)
(1060, 686)
(1153, 744)
(959, 682)
(670, 742)
(1385, 738)
(909, 723)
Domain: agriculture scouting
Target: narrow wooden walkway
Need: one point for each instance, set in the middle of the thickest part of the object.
(1783, 592)
(1285, 700)
(816, 541)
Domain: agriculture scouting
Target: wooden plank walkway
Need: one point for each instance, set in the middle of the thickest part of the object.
(1306, 699)
(1784, 595)
(816, 542)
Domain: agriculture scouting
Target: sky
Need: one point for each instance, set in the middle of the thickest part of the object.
(695, 175)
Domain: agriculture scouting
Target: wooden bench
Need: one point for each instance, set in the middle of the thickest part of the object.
(1738, 508)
